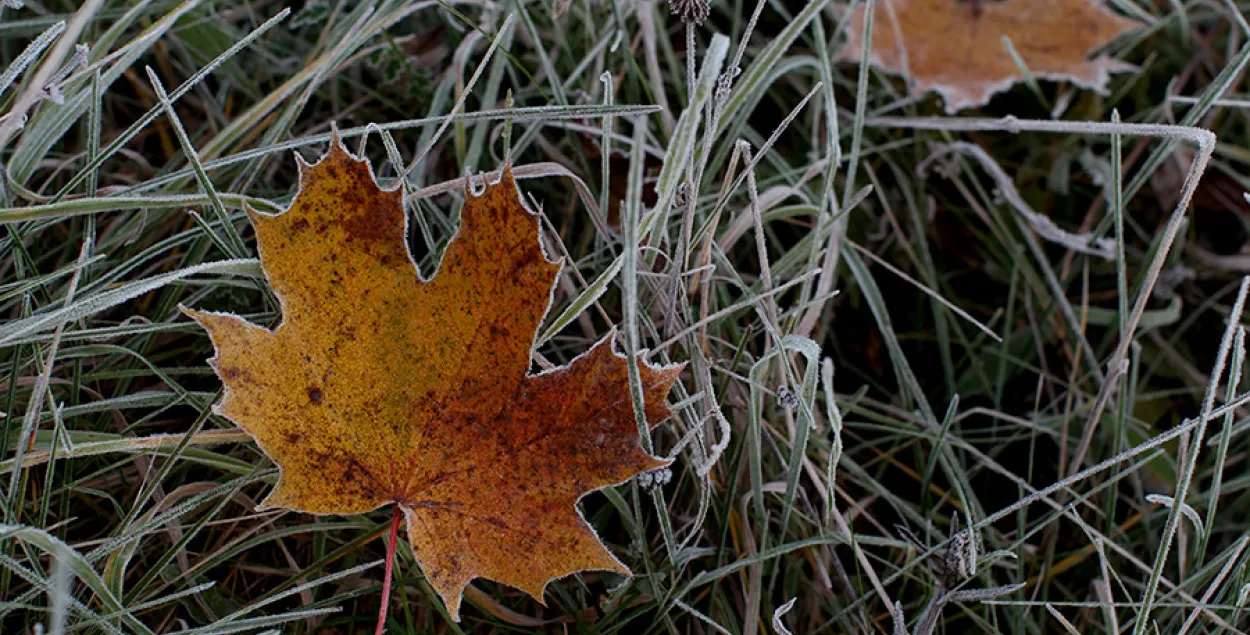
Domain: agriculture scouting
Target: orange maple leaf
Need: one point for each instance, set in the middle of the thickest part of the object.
(379, 387)
(956, 48)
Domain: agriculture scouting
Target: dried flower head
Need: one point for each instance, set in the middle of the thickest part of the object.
(960, 560)
(787, 398)
(691, 11)
(682, 197)
(961, 556)
(654, 479)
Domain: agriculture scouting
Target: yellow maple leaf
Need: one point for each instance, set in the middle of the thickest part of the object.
(955, 48)
(382, 388)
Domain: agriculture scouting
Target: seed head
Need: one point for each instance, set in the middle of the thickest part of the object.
(691, 11)
(654, 479)
(787, 398)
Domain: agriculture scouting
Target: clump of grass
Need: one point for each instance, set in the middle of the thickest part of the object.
(1045, 342)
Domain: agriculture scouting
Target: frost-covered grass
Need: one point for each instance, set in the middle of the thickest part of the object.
(899, 324)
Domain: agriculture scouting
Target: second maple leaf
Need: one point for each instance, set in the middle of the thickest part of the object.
(381, 388)
(956, 47)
